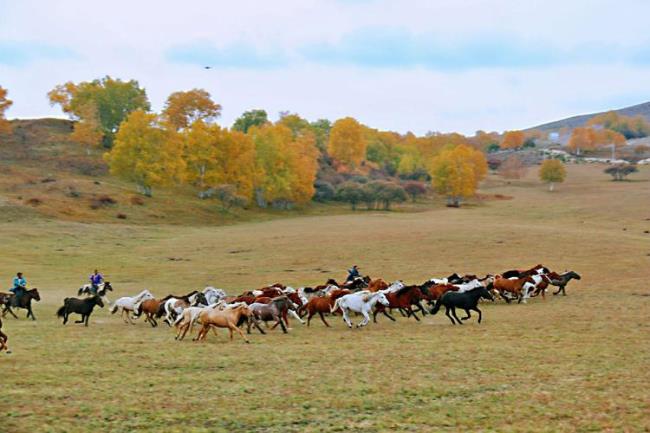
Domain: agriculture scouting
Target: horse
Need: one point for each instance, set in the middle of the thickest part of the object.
(273, 311)
(87, 289)
(226, 318)
(188, 318)
(470, 285)
(9, 302)
(130, 304)
(403, 299)
(359, 302)
(174, 305)
(503, 285)
(537, 285)
(84, 307)
(213, 295)
(322, 305)
(466, 301)
(535, 270)
(562, 280)
(357, 283)
(3, 340)
(152, 308)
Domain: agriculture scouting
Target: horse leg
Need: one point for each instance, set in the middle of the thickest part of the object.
(65, 317)
(410, 311)
(480, 315)
(558, 291)
(346, 319)
(128, 316)
(468, 315)
(453, 312)
(8, 308)
(80, 320)
(232, 326)
(563, 292)
(87, 317)
(447, 313)
(296, 316)
(284, 328)
(388, 315)
(322, 317)
(310, 315)
(366, 319)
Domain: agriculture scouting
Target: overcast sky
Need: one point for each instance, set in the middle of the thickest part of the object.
(402, 65)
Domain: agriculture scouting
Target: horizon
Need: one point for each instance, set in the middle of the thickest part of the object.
(409, 67)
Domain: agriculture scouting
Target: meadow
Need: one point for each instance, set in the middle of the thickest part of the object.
(574, 363)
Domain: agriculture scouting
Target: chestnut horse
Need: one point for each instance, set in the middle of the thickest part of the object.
(518, 273)
(403, 299)
(323, 304)
(514, 287)
(152, 308)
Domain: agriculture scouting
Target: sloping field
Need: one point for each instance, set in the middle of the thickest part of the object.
(574, 363)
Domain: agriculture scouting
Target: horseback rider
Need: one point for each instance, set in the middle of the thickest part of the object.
(19, 287)
(95, 280)
(352, 274)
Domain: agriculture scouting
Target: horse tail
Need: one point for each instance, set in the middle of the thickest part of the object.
(436, 307)
(335, 306)
(113, 309)
(80, 292)
(61, 311)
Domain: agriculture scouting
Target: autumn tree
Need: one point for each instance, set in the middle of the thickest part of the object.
(294, 122)
(5, 126)
(512, 168)
(347, 142)
(629, 127)
(582, 139)
(457, 171)
(146, 153)
(87, 130)
(249, 119)
(285, 166)
(111, 100)
(184, 108)
(513, 140)
(415, 188)
(552, 171)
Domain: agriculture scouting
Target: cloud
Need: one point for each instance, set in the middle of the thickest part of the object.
(236, 55)
(23, 53)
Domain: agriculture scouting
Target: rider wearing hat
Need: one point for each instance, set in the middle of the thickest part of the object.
(19, 287)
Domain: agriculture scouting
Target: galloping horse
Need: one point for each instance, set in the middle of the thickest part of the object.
(323, 304)
(175, 305)
(535, 270)
(84, 307)
(87, 289)
(514, 287)
(466, 301)
(273, 311)
(562, 280)
(359, 302)
(404, 299)
(9, 302)
(130, 304)
(152, 308)
(213, 295)
(227, 318)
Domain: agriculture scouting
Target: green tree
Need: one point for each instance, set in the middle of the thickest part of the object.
(249, 119)
(351, 192)
(111, 100)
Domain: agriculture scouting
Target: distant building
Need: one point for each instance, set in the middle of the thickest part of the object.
(554, 136)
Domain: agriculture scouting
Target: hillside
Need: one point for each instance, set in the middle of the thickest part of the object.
(580, 120)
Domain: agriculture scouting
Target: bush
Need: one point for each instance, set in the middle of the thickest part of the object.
(121, 216)
(350, 192)
(384, 193)
(494, 147)
(137, 201)
(324, 191)
(102, 201)
(415, 188)
(34, 201)
(512, 168)
(227, 195)
(620, 171)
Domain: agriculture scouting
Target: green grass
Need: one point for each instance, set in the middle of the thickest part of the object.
(574, 363)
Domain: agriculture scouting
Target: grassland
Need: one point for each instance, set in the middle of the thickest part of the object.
(574, 363)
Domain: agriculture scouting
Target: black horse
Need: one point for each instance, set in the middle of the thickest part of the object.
(10, 301)
(89, 290)
(466, 301)
(84, 307)
(563, 281)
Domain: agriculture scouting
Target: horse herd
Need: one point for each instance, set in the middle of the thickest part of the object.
(212, 308)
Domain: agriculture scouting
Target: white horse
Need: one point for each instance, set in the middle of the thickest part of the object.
(466, 287)
(130, 304)
(190, 315)
(394, 287)
(213, 295)
(528, 288)
(173, 307)
(359, 302)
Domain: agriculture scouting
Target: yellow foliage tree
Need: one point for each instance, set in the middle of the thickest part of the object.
(285, 166)
(184, 108)
(582, 139)
(457, 171)
(5, 126)
(146, 153)
(347, 142)
(87, 130)
(513, 140)
(216, 156)
(552, 171)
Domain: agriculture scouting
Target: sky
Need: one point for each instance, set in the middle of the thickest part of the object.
(402, 65)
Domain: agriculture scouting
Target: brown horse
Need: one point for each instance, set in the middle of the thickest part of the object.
(152, 308)
(403, 299)
(377, 285)
(3, 340)
(504, 285)
(9, 302)
(227, 318)
(433, 292)
(518, 273)
(323, 304)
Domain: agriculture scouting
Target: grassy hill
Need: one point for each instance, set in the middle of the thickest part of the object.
(580, 120)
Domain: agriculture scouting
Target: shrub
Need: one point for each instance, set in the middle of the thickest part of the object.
(350, 192)
(227, 195)
(512, 168)
(121, 216)
(324, 191)
(383, 192)
(102, 201)
(137, 201)
(34, 201)
(620, 171)
(415, 189)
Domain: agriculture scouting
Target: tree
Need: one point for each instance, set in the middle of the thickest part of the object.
(513, 140)
(351, 192)
(321, 129)
(629, 127)
(324, 191)
(512, 168)
(415, 188)
(582, 139)
(552, 171)
(249, 119)
(214, 156)
(295, 123)
(111, 99)
(146, 153)
(5, 126)
(184, 108)
(347, 143)
(228, 196)
(457, 171)
(87, 131)
(620, 171)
